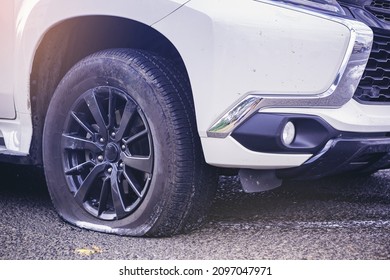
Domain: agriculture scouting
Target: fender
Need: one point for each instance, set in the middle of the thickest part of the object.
(34, 18)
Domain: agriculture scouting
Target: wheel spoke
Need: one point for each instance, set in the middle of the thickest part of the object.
(144, 164)
(96, 111)
(128, 113)
(78, 169)
(111, 109)
(75, 143)
(117, 195)
(136, 136)
(82, 123)
(88, 183)
(104, 196)
(133, 183)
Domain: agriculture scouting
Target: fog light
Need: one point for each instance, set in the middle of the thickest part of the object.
(288, 133)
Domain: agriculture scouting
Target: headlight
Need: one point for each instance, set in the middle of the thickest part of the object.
(331, 6)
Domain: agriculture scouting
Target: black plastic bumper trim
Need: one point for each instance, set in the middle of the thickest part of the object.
(262, 133)
(365, 155)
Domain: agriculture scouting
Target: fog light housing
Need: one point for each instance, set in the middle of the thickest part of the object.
(288, 133)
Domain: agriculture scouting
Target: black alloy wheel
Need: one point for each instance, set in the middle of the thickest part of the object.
(107, 153)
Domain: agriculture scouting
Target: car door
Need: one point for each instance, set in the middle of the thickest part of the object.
(7, 24)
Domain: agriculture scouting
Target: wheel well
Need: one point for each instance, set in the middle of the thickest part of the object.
(70, 41)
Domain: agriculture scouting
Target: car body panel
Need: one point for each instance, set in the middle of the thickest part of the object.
(231, 49)
(31, 20)
(7, 109)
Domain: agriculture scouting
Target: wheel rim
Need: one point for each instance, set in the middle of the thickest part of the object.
(107, 153)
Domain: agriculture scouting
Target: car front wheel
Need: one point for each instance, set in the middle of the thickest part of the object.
(121, 150)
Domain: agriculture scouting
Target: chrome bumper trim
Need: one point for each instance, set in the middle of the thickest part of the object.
(232, 119)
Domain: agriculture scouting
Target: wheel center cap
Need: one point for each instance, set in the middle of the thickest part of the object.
(112, 152)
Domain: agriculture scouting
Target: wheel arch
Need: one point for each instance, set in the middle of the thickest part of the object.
(67, 42)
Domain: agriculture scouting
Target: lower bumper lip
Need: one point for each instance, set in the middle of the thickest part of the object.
(343, 155)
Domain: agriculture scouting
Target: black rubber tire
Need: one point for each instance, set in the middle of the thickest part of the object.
(179, 189)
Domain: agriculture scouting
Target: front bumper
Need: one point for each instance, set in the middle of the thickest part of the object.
(336, 122)
(267, 57)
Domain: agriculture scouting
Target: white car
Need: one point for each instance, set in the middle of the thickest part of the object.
(129, 105)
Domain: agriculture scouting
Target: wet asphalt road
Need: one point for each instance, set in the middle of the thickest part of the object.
(338, 218)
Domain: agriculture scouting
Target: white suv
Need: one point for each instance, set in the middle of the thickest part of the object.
(130, 105)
